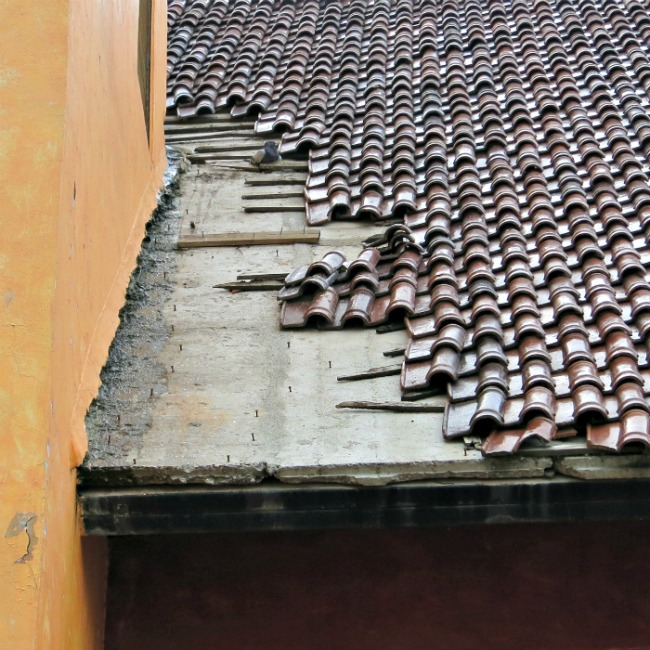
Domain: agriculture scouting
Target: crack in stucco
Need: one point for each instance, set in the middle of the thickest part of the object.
(24, 522)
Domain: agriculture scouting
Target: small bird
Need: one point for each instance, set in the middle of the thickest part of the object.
(268, 154)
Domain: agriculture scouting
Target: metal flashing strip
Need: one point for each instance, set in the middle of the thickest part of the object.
(152, 510)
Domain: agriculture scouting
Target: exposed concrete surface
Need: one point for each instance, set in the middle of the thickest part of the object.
(204, 387)
(605, 467)
(122, 411)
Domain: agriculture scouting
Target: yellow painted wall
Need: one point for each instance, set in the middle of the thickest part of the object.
(79, 181)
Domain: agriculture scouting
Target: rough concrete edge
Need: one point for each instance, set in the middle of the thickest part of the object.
(542, 466)
(604, 467)
(125, 475)
(385, 474)
(106, 405)
(358, 474)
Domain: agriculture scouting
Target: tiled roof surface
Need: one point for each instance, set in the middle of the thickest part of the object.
(511, 141)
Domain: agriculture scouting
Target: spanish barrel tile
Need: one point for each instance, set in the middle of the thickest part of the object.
(259, 95)
(509, 141)
(175, 9)
(279, 97)
(507, 441)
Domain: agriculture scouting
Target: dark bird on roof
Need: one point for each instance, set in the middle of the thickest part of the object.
(268, 154)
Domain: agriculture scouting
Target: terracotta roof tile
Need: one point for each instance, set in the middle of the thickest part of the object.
(512, 140)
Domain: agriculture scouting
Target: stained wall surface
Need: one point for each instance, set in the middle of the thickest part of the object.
(79, 182)
(505, 587)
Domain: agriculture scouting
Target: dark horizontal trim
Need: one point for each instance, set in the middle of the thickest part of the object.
(274, 506)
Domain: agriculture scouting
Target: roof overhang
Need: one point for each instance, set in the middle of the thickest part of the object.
(151, 510)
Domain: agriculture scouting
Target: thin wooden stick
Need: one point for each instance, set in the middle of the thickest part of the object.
(385, 371)
(403, 407)
(253, 285)
(249, 239)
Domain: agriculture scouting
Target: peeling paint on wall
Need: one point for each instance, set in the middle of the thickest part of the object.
(24, 522)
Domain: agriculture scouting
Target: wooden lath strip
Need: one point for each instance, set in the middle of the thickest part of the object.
(275, 206)
(395, 352)
(225, 155)
(249, 239)
(403, 407)
(206, 121)
(262, 180)
(245, 146)
(220, 136)
(288, 194)
(248, 277)
(372, 373)
(280, 165)
(252, 285)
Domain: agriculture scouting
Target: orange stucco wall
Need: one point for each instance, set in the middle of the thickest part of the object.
(79, 183)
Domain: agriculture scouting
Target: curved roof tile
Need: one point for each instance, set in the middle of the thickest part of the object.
(512, 140)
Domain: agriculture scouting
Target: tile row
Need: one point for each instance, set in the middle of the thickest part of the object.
(510, 142)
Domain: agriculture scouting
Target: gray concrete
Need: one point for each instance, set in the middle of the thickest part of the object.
(605, 467)
(204, 387)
